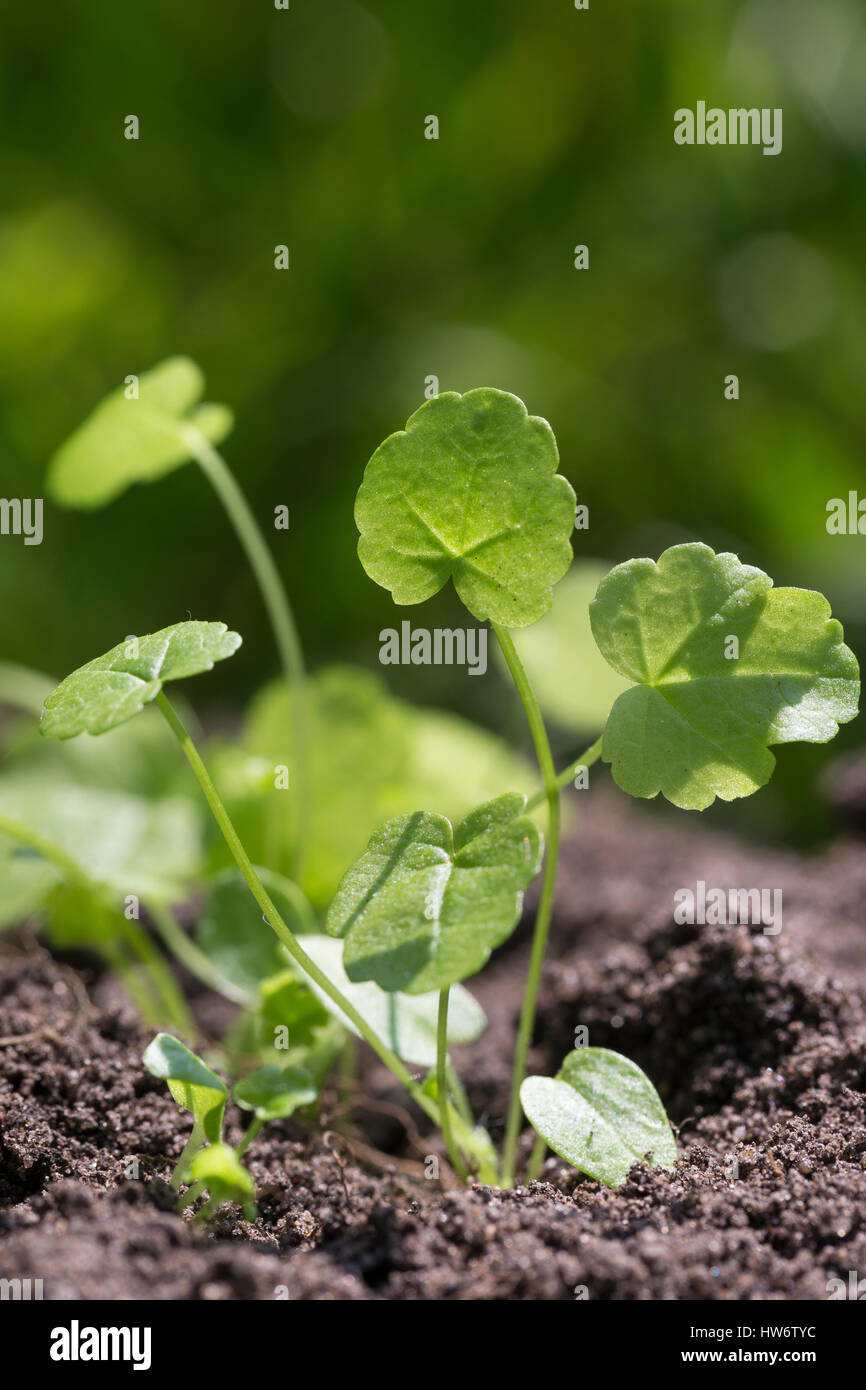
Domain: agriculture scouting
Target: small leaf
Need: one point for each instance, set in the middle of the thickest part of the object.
(130, 441)
(404, 1022)
(468, 491)
(601, 1114)
(225, 1177)
(233, 935)
(273, 1093)
(698, 723)
(116, 686)
(425, 906)
(192, 1084)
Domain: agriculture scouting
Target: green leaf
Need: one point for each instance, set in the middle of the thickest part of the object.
(698, 723)
(136, 441)
(404, 1022)
(468, 491)
(225, 1177)
(400, 757)
(273, 1093)
(76, 916)
(233, 934)
(574, 684)
(192, 1084)
(425, 906)
(601, 1114)
(116, 686)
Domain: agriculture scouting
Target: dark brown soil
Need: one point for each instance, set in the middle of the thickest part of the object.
(757, 1044)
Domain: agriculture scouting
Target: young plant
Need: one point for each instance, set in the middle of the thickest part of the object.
(718, 666)
(145, 430)
(723, 666)
(207, 1162)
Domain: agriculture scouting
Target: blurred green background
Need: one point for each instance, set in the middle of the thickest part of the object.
(411, 258)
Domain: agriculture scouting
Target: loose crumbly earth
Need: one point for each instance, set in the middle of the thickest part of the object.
(756, 1042)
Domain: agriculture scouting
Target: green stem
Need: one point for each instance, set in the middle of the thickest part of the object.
(255, 1126)
(442, 1084)
(191, 955)
(272, 916)
(277, 604)
(545, 905)
(177, 1013)
(70, 869)
(539, 1149)
(567, 776)
(190, 1149)
(461, 1100)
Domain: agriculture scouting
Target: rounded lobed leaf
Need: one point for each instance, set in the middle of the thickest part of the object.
(273, 1093)
(404, 1022)
(468, 491)
(128, 441)
(115, 687)
(192, 1084)
(725, 666)
(601, 1113)
(425, 906)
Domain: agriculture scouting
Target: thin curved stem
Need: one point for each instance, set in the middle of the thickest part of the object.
(545, 904)
(442, 1084)
(539, 1149)
(272, 916)
(586, 759)
(276, 601)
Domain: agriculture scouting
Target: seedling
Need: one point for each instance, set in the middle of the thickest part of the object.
(717, 667)
(207, 1162)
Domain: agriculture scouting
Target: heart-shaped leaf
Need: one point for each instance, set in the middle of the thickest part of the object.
(192, 1084)
(469, 491)
(426, 904)
(726, 665)
(136, 440)
(404, 1022)
(601, 1113)
(273, 1093)
(116, 686)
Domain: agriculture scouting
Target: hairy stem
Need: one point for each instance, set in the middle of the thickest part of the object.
(273, 918)
(279, 611)
(545, 905)
(442, 1084)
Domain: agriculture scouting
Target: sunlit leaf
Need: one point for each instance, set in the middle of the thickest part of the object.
(468, 491)
(426, 904)
(725, 665)
(192, 1084)
(134, 440)
(601, 1113)
(116, 686)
